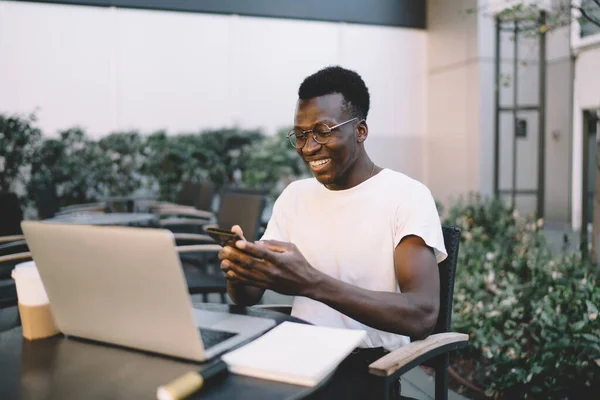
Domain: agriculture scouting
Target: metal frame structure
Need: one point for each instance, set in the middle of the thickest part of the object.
(515, 27)
(589, 117)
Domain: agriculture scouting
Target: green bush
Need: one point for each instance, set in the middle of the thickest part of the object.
(273, 161)
(18, 140)
(532, 317)
(76, 167)
(124, 153)
(209, 156)
(80, 170)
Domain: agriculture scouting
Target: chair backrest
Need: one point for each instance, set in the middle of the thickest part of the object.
(246, 190)
(7, 249)
(243, 209)
(46, 201)
(188, 193)
(447, 269)
(205, 196)
(11, 214)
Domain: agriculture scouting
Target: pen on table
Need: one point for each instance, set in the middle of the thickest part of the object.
(191, 382)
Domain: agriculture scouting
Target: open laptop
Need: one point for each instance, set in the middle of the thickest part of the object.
(126, 286)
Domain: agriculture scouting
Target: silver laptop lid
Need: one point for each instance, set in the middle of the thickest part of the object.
(117, 285)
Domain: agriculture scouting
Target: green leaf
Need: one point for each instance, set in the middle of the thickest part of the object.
(591, 338)
(578, 325)
(536, 369)
(564, 341)
(591, 307)
(546, 318)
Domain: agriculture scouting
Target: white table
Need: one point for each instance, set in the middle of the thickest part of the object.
(134, 219)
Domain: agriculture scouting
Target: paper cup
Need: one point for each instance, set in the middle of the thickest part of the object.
(34, 308)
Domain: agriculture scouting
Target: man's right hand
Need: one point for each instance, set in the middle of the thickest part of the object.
(238, 230)
(239, 293)
(222, 254)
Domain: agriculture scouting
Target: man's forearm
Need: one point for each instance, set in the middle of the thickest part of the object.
(244, 295)
(409, 314)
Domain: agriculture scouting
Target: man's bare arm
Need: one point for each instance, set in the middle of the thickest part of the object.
(283, 269)
(412, 313)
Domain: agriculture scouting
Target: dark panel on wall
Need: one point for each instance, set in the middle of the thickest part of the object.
(399, 13)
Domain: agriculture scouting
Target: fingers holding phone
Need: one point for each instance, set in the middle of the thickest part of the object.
(234, 261)
(238, 230)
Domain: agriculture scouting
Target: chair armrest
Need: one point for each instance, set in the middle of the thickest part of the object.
(81, 210)
(166, 204)
(194, 237)
(199, 248)
(182, 221)
(282, 308)
(185, 211)
(12, 238)
(82, 207)
(15, 257)
(157, 205)
(413, 354)
(19, 246)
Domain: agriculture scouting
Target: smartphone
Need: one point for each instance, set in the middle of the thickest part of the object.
(223, 237)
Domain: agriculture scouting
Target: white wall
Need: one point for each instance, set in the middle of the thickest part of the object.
(453, 137)
(110, 69)
(460, 139)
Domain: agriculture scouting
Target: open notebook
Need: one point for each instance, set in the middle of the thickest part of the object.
(294, 353)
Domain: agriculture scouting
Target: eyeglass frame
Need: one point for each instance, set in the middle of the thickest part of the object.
(314, 135)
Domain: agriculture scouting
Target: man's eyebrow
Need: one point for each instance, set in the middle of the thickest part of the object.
(326, 121)
(308, 127)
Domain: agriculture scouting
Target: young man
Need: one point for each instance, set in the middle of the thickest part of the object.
(358, 245)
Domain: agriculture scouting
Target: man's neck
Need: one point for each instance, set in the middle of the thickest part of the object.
(358, 173)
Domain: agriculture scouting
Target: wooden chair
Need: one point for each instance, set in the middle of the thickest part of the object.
(48, 204)
(46, 201)
(194, 200)
(194, 215)
(432, 351)
(11, 214)
(198, 251)
(13, 250)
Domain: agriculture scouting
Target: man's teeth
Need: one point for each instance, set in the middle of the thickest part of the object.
(318, 163)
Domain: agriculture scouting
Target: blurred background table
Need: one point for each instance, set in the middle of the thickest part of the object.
(124, 219)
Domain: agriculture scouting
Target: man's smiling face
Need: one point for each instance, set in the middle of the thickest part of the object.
(330, 163)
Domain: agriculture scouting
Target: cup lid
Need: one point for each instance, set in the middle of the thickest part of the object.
(27, 268)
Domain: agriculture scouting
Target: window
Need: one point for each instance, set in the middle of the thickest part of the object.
(588, 28)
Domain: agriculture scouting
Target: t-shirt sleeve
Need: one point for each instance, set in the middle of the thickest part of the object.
(277, 228)
(420, 217)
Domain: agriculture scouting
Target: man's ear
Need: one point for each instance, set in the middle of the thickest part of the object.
(362, 131)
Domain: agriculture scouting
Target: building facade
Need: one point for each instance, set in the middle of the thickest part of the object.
(430, 66)
(186, 66)
(585, 44)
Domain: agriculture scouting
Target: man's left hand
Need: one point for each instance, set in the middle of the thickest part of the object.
(269, 264)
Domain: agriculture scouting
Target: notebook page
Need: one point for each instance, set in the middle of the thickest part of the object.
(294, 353)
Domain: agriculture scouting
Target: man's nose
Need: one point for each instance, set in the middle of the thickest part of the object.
(311, 146)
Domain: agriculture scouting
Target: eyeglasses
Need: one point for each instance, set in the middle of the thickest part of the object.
(321, 132)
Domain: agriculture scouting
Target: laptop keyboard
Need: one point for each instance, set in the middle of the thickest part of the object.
(211, 337)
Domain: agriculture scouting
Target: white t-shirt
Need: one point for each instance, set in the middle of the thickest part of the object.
(351, 235)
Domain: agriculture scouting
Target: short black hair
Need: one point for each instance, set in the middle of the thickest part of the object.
(336, 79)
